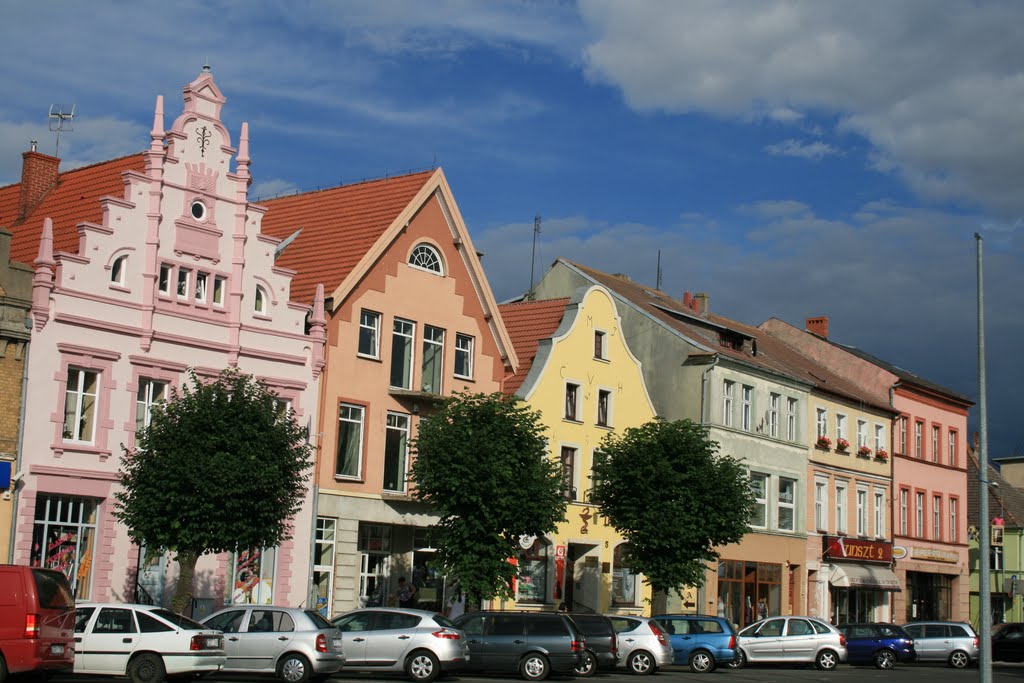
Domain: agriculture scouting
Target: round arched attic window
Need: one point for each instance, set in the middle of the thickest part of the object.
(426, 257)
(198, 210)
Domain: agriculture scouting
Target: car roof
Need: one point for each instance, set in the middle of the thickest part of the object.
(126, 605)
(396, 610)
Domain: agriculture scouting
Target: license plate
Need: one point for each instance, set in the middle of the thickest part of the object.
(56, 649)
(337, 643)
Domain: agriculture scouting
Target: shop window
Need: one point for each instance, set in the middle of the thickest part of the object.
(749, 591)
(323, 563)
(374, 546)
(625, 581)
(532, 586)
(253, 577)
(64, 538)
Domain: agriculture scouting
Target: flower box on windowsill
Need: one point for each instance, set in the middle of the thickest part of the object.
(881, 455)
(823, 442)
(842, 445)
(864, 452)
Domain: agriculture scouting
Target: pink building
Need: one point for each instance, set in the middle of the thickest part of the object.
(929, 473)
(146, 266)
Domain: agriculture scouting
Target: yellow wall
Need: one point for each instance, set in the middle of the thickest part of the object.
(571, 359)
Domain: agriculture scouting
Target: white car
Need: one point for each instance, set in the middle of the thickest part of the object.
(144, 642)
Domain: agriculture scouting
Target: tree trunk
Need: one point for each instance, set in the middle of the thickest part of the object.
(186, 570)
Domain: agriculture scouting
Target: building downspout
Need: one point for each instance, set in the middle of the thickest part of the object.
(701, 595)
(20, 446)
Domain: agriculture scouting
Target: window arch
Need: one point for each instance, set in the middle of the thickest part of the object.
(118, 269)
(261, 304)
(624, 579)
(533, 573)
(426, 257)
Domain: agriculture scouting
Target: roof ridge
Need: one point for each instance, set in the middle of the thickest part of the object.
(536, 301)
(363, 181)
(76, 169)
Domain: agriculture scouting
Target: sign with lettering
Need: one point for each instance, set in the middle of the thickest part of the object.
(933, 554)
(857, 549)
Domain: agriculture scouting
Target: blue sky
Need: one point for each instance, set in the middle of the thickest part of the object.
(792, 159)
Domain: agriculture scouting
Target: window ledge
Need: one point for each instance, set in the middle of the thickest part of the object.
(364, 356)
(464, 378)
(120, 288)
(572, 420)
(261, 316)
(80, 448)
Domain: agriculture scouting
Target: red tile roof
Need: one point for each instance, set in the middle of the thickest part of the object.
(527, 323)
(339, 226)
(74, 199)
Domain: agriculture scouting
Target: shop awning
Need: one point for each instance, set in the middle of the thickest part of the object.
(864, 576)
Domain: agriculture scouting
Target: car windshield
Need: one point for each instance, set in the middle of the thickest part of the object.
(318, 619)
(749, 631)
(53, 589)
(178, 620)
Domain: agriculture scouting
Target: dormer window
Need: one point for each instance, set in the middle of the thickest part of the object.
(426, 257)
(198, 210)
(117, 270)
(260, 305)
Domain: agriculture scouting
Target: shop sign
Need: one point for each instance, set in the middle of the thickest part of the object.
(934, 554)
(899, 552)
(857, 549)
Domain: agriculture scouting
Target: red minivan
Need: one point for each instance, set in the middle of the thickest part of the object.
(37, 620)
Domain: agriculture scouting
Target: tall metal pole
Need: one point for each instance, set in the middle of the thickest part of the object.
(984, 580)
(533, 254)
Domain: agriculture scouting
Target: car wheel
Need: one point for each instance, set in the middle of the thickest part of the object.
(293, 668)
(702, 662)
(959, 659)
(588, 666)
(146, 668)
(739, 662)
(422, 666)
(534, 667)
(641, 662)
(3, 669)
(826, 660)
(885, 659)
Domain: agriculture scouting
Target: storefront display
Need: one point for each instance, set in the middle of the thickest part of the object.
(749, 591)
(63, 536)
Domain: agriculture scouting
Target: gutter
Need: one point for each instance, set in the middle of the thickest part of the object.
(704, 389)
(18, 451)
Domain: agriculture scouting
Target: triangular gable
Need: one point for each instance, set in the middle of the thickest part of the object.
(529, 322)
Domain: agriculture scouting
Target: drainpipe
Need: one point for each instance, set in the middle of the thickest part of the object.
(20, 446)
(704, 390)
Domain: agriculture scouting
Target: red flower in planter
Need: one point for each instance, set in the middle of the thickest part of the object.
(842, 444)
(824, 442)
(864, 450)
(881, 454)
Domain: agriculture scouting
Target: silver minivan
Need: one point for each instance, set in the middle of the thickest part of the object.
(295, 644)
(953, 642)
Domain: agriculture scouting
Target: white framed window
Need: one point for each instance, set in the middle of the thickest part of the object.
(369, 334)
(219, 285)
(952, 448)
(748, 407)
(403, 335)
(600, 345)
(374, 546)
(261, 303)
(936, 430)
(919, 514)
(201, 282)
(879, 513)
(879, 438)
(904, 511)
(572, 401)
(567, 463)
(840, 507)
(862, 433)
(80, 398)
(936, 518)
(840, 427)
(728, 392)
(604, 407)
(821, 504)
(396, 452)
(426, 257)
(953, 535)
(150, 391)
(773, 415)
(118, 270)
(349, 462)
(184, 283)
(787, 505)
(791, 404)
(164, 282)
(902, 426)
(323, 564)
(822, 420)
(759, 486)
(862, 511)
(68, 526)
(433, 359)
(464, 356)
(918, 436)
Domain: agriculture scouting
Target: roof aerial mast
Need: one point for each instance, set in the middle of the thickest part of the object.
(62, 119)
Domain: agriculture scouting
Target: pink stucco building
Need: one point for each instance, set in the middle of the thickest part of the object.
(146, 266)
(929, 473)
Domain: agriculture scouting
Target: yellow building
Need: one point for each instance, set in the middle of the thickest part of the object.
(578, 373)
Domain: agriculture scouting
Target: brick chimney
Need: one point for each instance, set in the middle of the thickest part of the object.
(38, 174)
(818, 326)
(702, 302)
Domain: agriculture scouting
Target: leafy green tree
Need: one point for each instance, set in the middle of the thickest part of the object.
(220, 468)
(482, 463)
(666, 489)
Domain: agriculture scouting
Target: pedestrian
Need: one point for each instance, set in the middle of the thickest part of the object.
(406, 593)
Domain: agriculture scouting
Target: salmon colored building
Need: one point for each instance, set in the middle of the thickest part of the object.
(410, 319)
(578, 372)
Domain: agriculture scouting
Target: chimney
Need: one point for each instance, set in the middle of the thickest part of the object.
(701, 302)
(687, 299)
(818, 326)
(38, 174)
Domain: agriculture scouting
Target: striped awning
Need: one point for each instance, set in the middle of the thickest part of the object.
(876, 577)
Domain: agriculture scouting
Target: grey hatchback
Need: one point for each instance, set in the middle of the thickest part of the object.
(953, 642)
(536, 644)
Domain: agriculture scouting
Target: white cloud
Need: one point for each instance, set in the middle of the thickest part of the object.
(934, 85)
(812, 151)
(269, 189)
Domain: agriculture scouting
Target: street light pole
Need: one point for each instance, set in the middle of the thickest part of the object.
(984, 580)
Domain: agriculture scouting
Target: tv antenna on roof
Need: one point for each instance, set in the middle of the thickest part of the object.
(62, 119)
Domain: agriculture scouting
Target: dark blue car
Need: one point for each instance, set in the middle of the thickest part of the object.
(698, 641)
(880, 644)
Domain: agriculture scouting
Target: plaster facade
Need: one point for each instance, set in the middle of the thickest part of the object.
(585, 362)
(176, 275)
